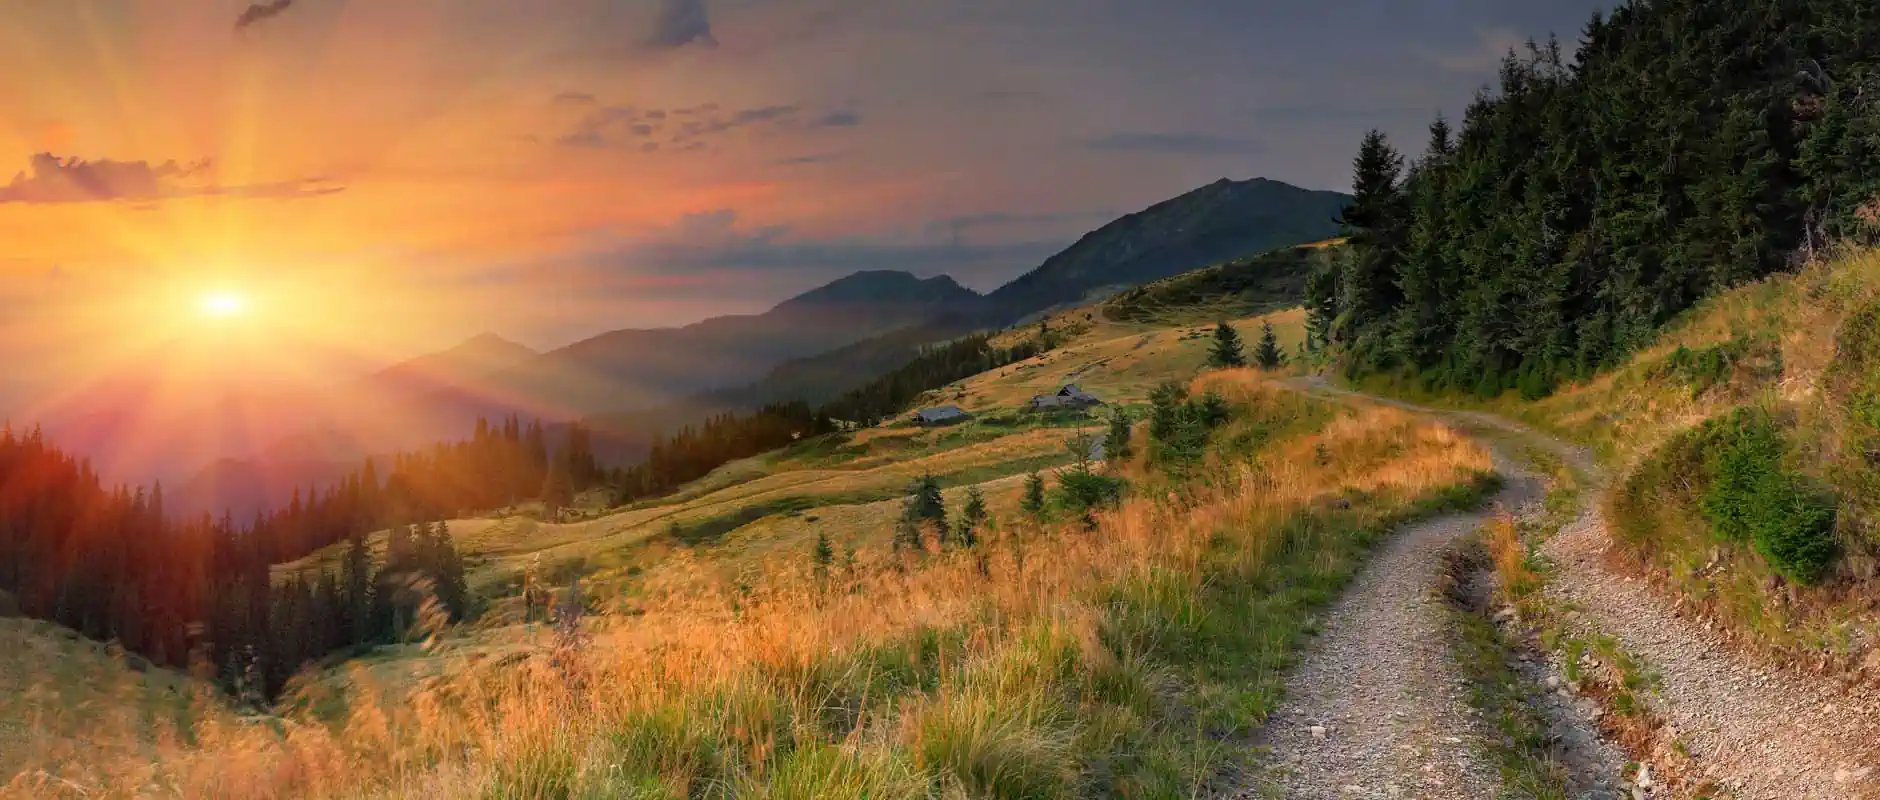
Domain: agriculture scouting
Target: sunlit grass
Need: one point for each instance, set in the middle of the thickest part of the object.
(1052, 662)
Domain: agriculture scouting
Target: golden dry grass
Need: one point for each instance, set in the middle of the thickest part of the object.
(770, 689)
(1121, 363)
(64, 698)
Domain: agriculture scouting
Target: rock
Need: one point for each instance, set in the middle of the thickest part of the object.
(1845, 776)
(1645, 776)
(1507, 612)
(1553, 681)
(1317, 731)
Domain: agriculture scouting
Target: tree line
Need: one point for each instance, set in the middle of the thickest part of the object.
(109, 563)
(1689, 146)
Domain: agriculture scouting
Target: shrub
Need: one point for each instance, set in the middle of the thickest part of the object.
(1751, 495)
(1083, 492)
(1759, 357)
(1853, 387)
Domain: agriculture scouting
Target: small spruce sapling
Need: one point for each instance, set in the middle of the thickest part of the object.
(1116, 444)
(1226, 353)
(823, 555)
(1267, 354)
(972, 518)
(1033, 501)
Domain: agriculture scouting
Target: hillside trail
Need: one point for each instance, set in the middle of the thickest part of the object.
(1377, 708)
(1752, 731)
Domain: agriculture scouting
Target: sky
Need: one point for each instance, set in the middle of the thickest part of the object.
(381, 178)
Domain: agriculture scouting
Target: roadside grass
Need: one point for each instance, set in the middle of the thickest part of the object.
(1049, 662)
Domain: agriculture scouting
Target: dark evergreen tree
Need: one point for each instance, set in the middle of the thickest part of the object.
(1033, 500)
(1117, 447)
(822, 555)
(973, 518)
(1267, 354)
(926, 507)
(1227, 350)
(1373, 227)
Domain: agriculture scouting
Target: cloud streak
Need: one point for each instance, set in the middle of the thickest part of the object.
(691, 128)
(257, 12)
(51, 179)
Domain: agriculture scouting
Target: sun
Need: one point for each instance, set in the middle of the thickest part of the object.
(222, 304)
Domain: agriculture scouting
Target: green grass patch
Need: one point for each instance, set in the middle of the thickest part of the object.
(1518, 741)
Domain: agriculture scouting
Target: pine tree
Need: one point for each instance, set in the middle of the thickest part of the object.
(1226, 352)
(1117, 447)
(823, 554)
(1373, 226)
(357, 571)
(927, 507)
(452, 588)
(1267, 354)
(972, 517)
(1033, 501)
(555, 492)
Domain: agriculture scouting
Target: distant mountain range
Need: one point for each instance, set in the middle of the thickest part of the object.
(1217, 223)
(632, 384)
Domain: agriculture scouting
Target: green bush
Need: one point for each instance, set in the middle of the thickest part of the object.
(1759, 356)
(1751, 495)
(1853, 388)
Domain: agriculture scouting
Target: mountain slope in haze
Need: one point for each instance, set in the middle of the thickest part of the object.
(1219, 222)
(636, 369)
(478, 358)
(1222, 222)
(635, 383)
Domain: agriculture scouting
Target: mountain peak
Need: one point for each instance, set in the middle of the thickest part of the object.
(1218, 222)
(489, 343)
(878, 287)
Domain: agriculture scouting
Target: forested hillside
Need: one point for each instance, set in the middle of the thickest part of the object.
(1688, 146)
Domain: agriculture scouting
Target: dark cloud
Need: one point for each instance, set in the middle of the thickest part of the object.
(798, 161)
(259, 11)
(574, 99)
(682, 22)
(838, 119)
(712, 124)
(1186, 144)
(73, 180)
(692, 128)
